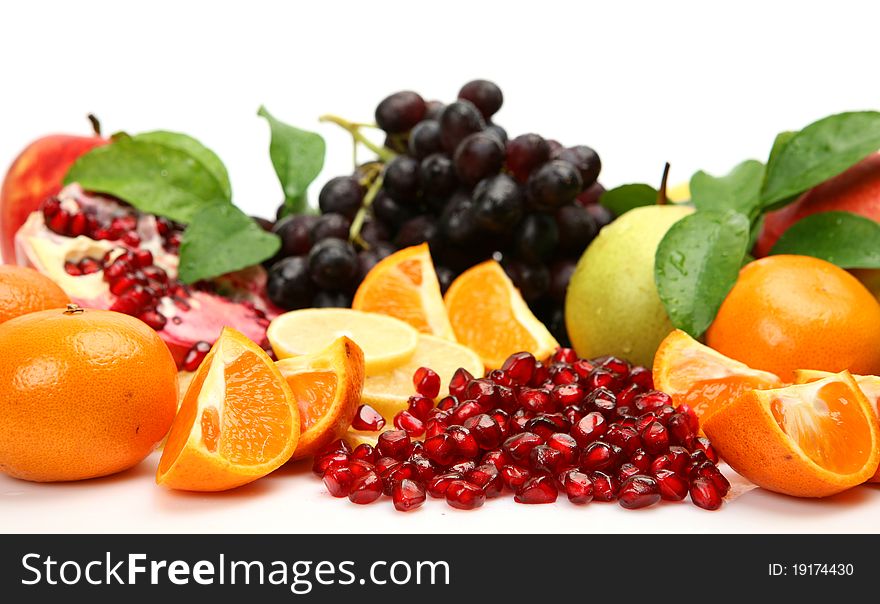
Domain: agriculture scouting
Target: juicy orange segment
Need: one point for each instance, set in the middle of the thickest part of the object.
(237, 421)
(706, 380)
(489, 316)
(327, 388)
(806, 440)
(404, 285)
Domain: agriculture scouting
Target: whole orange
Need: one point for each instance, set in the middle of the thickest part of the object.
(83, 393)
(797, 312)
(24, 290)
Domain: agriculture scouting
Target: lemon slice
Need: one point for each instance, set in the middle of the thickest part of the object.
(386, 342)
(389, 392)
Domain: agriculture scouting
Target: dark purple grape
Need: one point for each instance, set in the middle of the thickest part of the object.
(396, 142)
(401, 178)
(526, 153)
(288, 284)
(555, 146)
(498, 132)
(554, 184)
(457, 121)
(400, 111)
(264, 223)
(383, 249)
(367, 259)
(532, 280)
(457, 223)
(585, 159)
(600, 214)
(577, 228)
(296, 234)
(536, 238)
(498, 203)
(591, 194)
(425, 139)
(437, 175)
(445, 276)
(328, 299)
(330, 226)
(560, 275)
(333, 263)
(434, 109)
(373, 231)
(477, 157)
(341, 195)
(389, 211)
(415, 231)
(485, 95)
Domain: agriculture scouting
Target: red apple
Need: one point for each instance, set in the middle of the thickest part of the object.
(34, 175)
(856, 190)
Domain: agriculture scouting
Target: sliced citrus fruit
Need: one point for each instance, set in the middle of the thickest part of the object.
(327, 389)
(389, 392)
(489, 316)
(237, 422)
(386, 342)
(404, 285)
(869, 384)
(806, 440)
(694, 374)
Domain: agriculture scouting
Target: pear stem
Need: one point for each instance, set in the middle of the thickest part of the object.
(662, 199)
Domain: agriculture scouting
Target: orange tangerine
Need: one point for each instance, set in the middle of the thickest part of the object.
(706, 380)
(24, 290)
(327, 389)
(806, 440)
(238, 420)
(404, 285)
(489, 316)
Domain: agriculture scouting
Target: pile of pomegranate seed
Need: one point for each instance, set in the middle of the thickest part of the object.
(591, 430)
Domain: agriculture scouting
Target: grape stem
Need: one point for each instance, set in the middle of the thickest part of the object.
(354, 129)
(357, 224)
(662, 199)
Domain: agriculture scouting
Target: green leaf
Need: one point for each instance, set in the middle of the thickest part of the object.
(740, 190)
(222, 239)
(201, 153)
(298, 156)
(821, 150)
(842, 238)
(696, 265)
(779, 144)
(152, 176)
(627, 197)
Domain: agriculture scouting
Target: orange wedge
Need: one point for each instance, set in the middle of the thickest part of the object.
(238, 421)
(489, 316)
(869, 385)
(706, 380)
(404, 285)
(806, 440)
(327, 389)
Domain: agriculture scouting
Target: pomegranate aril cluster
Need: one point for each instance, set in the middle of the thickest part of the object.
(587, 430)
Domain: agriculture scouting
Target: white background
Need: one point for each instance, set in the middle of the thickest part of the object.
(702, 85)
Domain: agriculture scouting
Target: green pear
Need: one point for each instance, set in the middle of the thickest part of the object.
(612, 306)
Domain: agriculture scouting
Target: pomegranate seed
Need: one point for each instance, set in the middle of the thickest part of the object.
(488, 477)
(602, 378)
(537, 489)
(564, 355)
(325, 461)
(710, 471)
(485, 430)
(464, 495)
(365, 452)
(127, 304)
(78, 224)
(402, 471)
(691, 415)
(196, 355)
(163, 226)
(483, 392)
(72, 268)
(535, 400)
(601, 400)
(680, 459)
(626, 471)
(462, 466)
(440, 449)
(502, 418)
(680, 432)
(437, 486)
(706, 447)
(591, 427)
(567, 447)
(60, 222)
(642, 377)
(464, 443)
(154, 273)
(519, 447)
(673, 487)
(655, 438)
(154, 319)
(514, 476)
(661, 462)
(366, 489)
(383, 464)
(338, 480)
(419, 406)
(563, 375)
(394, 443)
(50, 207)
(641, 460)
(459, 382)
(638, 492)
(520, 367)
(409, 423)
(497, 458)
(567, 394)
(116, 270)
(131, 238)
(408, 495)
(122, 285)
(143, 258)
(616, 365)
(599, 455)
(704, 494)
(627, 396)
(625, 438)
(545, 459)
(424, 466)
(577, 486)
(336, 446)
(89, 266)
(426, 382)
(604, 486)
(540, 375)
(367, 419)
(437, 424)
(465, 411)
(518, 420)
(651, 401)
(582, 368)
(447, 403)
(573, 414)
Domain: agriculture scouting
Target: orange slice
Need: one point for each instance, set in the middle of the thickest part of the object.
(327, 389)
(489, 316)
(706, 380)
(869, 385)
(237, 422)
(806, 440)
(404, 285)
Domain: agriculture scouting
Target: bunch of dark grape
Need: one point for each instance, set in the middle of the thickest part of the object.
(456, 181)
